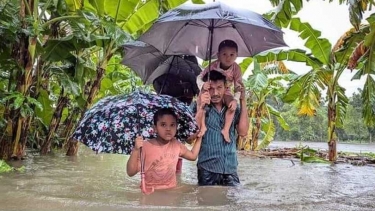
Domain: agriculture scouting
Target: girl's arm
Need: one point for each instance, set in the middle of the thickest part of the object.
(193, 153)
(132, 167)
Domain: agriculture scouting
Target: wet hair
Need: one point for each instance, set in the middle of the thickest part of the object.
(214, 76)
(228, 44)
(163, 111)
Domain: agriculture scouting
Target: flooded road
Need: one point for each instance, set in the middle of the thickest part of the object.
(99, 182)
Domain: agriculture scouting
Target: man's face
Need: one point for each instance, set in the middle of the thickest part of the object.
(217, 89)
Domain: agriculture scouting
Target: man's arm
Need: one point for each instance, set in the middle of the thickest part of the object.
(202, 101)
(243, 122)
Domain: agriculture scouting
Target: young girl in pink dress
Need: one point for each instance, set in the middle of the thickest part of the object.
(161, 154)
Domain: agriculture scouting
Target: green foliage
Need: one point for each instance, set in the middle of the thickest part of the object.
(284, 11)
(4, 167)
(320, 47)
(23, 103)
(45, 114)
(308, 155)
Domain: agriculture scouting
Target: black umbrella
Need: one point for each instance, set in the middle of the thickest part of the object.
(149, 63)
(198, 29)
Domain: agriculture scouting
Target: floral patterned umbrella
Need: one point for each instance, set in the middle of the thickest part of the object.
(113, 123)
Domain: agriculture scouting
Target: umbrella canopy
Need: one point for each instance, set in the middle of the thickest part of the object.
(149, 63)
(113, 123)
(198, 29)
(176, 86)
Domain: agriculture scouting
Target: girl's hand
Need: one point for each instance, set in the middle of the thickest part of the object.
(138, 142)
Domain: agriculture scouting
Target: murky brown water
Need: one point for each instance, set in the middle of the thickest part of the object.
(99, 182)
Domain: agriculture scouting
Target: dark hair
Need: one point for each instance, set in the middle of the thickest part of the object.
(163, 111)
(228, 44)
(214, 76)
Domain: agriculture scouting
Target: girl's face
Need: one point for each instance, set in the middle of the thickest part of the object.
(166, 127)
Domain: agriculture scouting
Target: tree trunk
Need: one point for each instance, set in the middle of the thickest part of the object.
(256, 129)
(69, 123)
(332, 137)
(73, 144)
(5, 149)
(55, 121)
(24, 80)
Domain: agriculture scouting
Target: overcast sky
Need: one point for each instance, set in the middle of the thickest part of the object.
(331, 19)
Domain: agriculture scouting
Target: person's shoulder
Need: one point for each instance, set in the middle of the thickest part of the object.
(149, 143)
(176, 142)
(237, 67)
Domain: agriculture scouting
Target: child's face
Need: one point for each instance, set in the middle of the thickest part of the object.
(227, 56)
(166, 127)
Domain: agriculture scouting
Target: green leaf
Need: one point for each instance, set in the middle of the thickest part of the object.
(120, 10)
(96, 6)
(44, 114)
(305, 90)
(145, 14)
(73, 5)
(18, 101)
(355, 13)
(66, 82)
(308, 159)
(368, 101)
(4, 167)
(59, 49)
(279, 117)
(294, 55)
(245, 64)
(269, 128)
(320, 48)
(341, 105)
(284, 11)
(35, 102)
(257, 82)
(369, 67)
(106, 84)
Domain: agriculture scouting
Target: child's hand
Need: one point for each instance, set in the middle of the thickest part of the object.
(138, 142)
(206, 86)
(233, 105)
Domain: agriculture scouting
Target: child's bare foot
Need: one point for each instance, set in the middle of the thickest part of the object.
(226, 135)
(202, 131)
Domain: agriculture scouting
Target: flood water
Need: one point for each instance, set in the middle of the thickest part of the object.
(99, 182)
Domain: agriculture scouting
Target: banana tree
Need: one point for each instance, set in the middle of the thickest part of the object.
(363, 60)
(327, 65)
(286, 9)
(115, 21)
(261, 89)
(24, 35)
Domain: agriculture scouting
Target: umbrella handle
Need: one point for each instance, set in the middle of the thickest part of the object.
(144, 189)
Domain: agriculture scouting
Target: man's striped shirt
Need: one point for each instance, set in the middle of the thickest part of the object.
(216, 155)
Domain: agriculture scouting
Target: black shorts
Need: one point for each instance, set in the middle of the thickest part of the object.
(209, 178)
